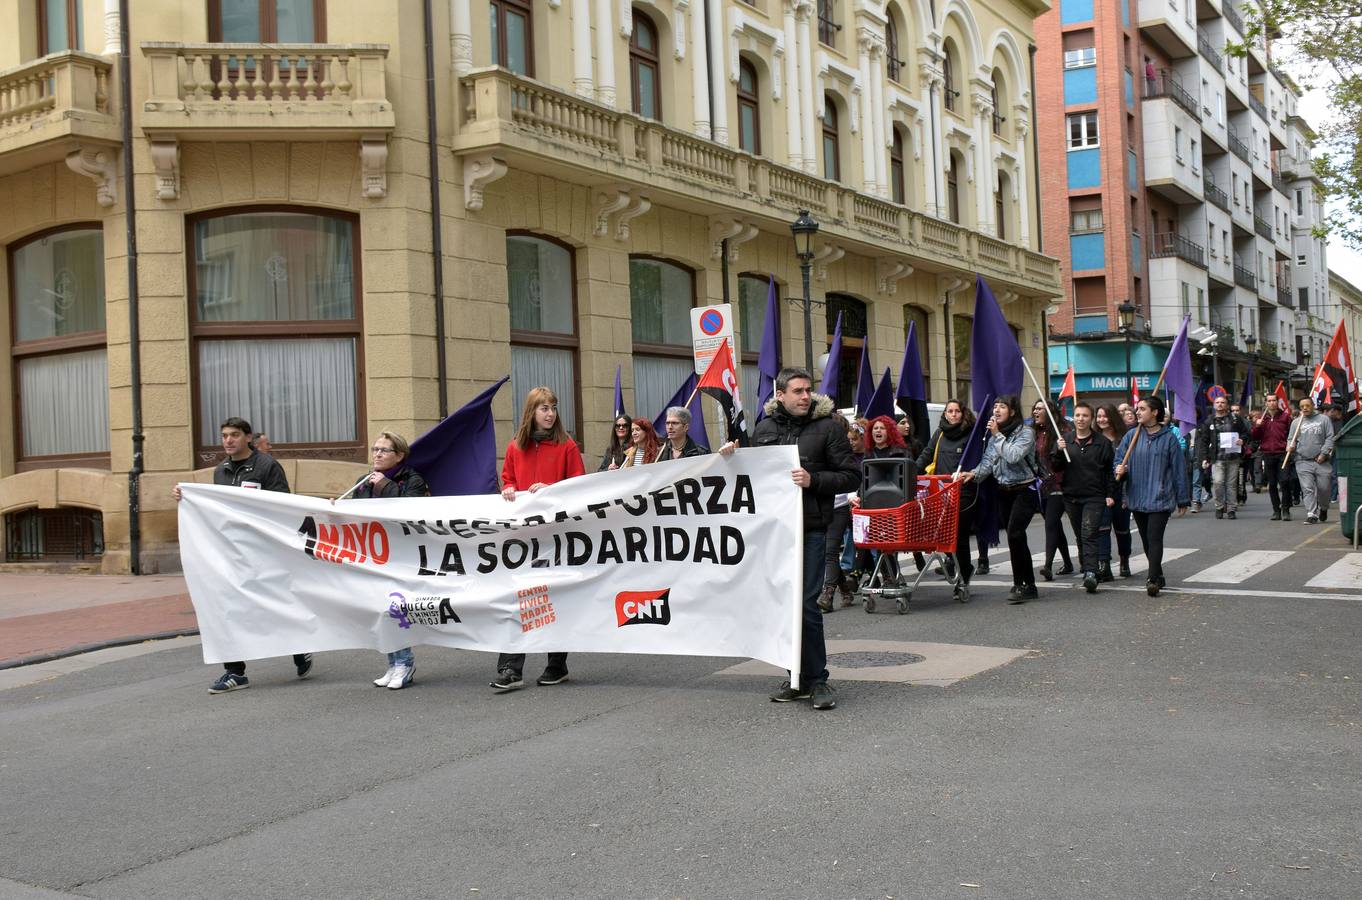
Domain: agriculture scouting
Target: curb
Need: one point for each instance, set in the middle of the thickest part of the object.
(88, 648)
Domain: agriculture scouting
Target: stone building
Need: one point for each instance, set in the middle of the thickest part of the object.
(602, 166)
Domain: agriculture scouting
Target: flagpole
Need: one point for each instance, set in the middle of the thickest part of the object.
(354, 486)
(978, 420)
(1125, 460)
(1054, 426)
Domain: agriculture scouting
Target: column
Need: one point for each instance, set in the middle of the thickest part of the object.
(719, 114)
(877, 118)
(605, 53)
(699, 83)
(932, 157)
(864, 41)
(111, 27)
(795, 99)
(582, 81)
(809, 138)
(985, 181)
(1021, 126)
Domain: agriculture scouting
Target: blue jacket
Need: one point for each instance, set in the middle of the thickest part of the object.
(1156, 480)
(1011, 458)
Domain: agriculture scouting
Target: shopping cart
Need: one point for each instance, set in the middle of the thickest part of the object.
(925, 524)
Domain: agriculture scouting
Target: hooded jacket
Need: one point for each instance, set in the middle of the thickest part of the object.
(1314, 436)
(1271, 432)
(824, 452)
(1156, 480)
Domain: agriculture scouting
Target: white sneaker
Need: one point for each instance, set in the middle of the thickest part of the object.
(386, 678)
(401, 677)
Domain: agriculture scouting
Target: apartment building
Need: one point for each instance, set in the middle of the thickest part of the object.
(1344, 305)
(602, 169)
(1177, 195)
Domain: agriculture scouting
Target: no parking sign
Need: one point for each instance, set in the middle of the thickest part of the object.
(710, 326)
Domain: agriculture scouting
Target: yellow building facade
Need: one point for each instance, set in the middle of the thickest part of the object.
(603, 167)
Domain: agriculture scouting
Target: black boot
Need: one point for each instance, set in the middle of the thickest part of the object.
(1104, 571)
(1125, 567)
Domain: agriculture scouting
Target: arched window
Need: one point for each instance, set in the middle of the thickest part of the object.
(513, 35)
(275, 329)
(827, 28)
(996, 98)
(953, 189)
(920, 319)
(749, 109)
(855, 327)
(644, 67)
(59, 26)
(832, 159)
(962, 336)
(893, 64)
(661, 294)
(752, 294)
(58, 345)
(948, 76)
(897, 184)
(1002, 208)
(541, 287)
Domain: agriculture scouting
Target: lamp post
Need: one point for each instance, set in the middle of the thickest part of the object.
(1251, 345)
(803, 229)
(1125, 318)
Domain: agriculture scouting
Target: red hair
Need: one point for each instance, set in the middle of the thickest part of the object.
(650, 442)
(895, 439)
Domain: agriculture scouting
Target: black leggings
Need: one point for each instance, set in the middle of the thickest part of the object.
(832, 553)
(1055, 538)
(1018, 509)
(964, 531)
(1151, 526)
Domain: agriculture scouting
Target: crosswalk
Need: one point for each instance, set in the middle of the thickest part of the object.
(1346, 573)
(1241, 567)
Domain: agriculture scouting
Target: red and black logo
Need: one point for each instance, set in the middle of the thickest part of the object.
(643, 607)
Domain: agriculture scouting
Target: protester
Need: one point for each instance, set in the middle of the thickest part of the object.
(643, 444)
(541, 453)
(1156, 482)
(836, 578)
(1088, 487)
(248, 468)
(1116, 517)
(1127, 415)
(883, 441)
(262, 443)
(911, 442)
(392, 477)
(1246, 461)
(620, 443)
(679, 444)
(797, 416)
(1271, 431)
(1312, 446)
(1201, 476)
(1052, 497)
(942, 456)
(1009, 458)
(1222, 450)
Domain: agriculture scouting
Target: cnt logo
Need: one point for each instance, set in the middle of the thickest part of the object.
(643, 607)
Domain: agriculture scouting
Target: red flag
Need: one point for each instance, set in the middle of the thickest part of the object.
(1336, 375)
(1069, 389)
(720, 381)
(1134, 392)
(1280, 391)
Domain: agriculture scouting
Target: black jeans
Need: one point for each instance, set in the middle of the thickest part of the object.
(1086, 517)
(239, 668)
(1275, 476)
(832, 554)
(1151, 526)
(1114, 518)
(964, 531)
(1018, 509)
(516, 662)
(813, 652)
(1055, 538)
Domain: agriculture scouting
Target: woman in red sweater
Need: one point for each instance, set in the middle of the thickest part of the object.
(540, 454)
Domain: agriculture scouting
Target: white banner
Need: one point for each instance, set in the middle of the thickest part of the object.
(699, 556)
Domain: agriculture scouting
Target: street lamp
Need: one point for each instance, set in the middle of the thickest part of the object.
(1125, 318)
(803, 229)
(1251, 344)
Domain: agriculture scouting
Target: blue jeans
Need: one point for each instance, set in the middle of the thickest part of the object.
(813, 653)
(401, 657)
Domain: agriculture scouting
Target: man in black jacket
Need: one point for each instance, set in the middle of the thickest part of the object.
(248, 468)
(1088, 485)
(679, 444)
(1222, 451)
(797, 416)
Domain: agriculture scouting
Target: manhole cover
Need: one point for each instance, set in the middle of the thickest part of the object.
(866, 659)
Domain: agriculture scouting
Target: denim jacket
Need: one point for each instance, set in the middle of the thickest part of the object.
(1011, 459)
(1156, 480)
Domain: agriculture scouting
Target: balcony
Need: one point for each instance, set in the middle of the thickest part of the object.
(1284, 297)
(1204, 47)
(1238, 147)
(1170, 169)
(1232, 16)
(1168, 244)
(1262, 226)
(1215, 195)
(1167, 85)
(1245, 278)
(216, 92)
(1165, 23)
(507, 120)
(58, 107)
(1257, 106)
(1279, 184)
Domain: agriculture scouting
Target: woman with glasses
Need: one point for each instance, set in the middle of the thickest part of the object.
(643, 444)
(620, 442)
(392, 477)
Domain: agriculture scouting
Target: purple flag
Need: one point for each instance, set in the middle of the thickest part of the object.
(974, 447)
(995, 356)
(881, 402)
(1246, 396)
(459, 455)
(832, 372)
(619, 394)
(1178, 377)
(697, 414)
(912, 393)
(768, 363)
(865, 382)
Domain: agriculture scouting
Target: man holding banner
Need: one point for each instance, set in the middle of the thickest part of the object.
(799, 417)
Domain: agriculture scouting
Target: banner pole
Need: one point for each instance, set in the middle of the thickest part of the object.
(1125, 460)
(1054, 426)
(354, 487)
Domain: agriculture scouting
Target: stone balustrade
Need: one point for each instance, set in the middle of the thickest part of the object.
(53, 106)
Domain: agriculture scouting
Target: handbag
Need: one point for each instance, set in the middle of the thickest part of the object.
(931, 467)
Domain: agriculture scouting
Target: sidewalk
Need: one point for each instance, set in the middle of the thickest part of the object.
(45, 617)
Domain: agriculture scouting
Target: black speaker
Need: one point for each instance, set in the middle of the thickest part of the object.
(887, 483)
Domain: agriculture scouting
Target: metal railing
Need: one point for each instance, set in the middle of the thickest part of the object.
(1167, 86)
(1245, 278)
(1238, 147)
(1168, 244)
(1216, 195)
(1232, 16)
(1258, 106)
(1279, 183)
(1284, 296)
(1262, 226)
(1203, 46)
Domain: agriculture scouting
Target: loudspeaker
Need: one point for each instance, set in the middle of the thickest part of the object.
(887, 483)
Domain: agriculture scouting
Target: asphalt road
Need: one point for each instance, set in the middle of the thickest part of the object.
(1206, 743)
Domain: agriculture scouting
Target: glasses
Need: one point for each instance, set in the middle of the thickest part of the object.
(675, 424)
(378, 451)
(621, 425)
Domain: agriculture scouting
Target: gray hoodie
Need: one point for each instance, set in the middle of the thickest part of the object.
(1313, 436)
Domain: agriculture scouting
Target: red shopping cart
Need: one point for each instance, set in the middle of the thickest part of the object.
(926, 524)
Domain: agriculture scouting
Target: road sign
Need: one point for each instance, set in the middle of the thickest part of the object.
(710, 326)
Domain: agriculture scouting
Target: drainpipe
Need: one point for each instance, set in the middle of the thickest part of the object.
(134, 327)
(436, 241)
(709, 84)
(1035, 151)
